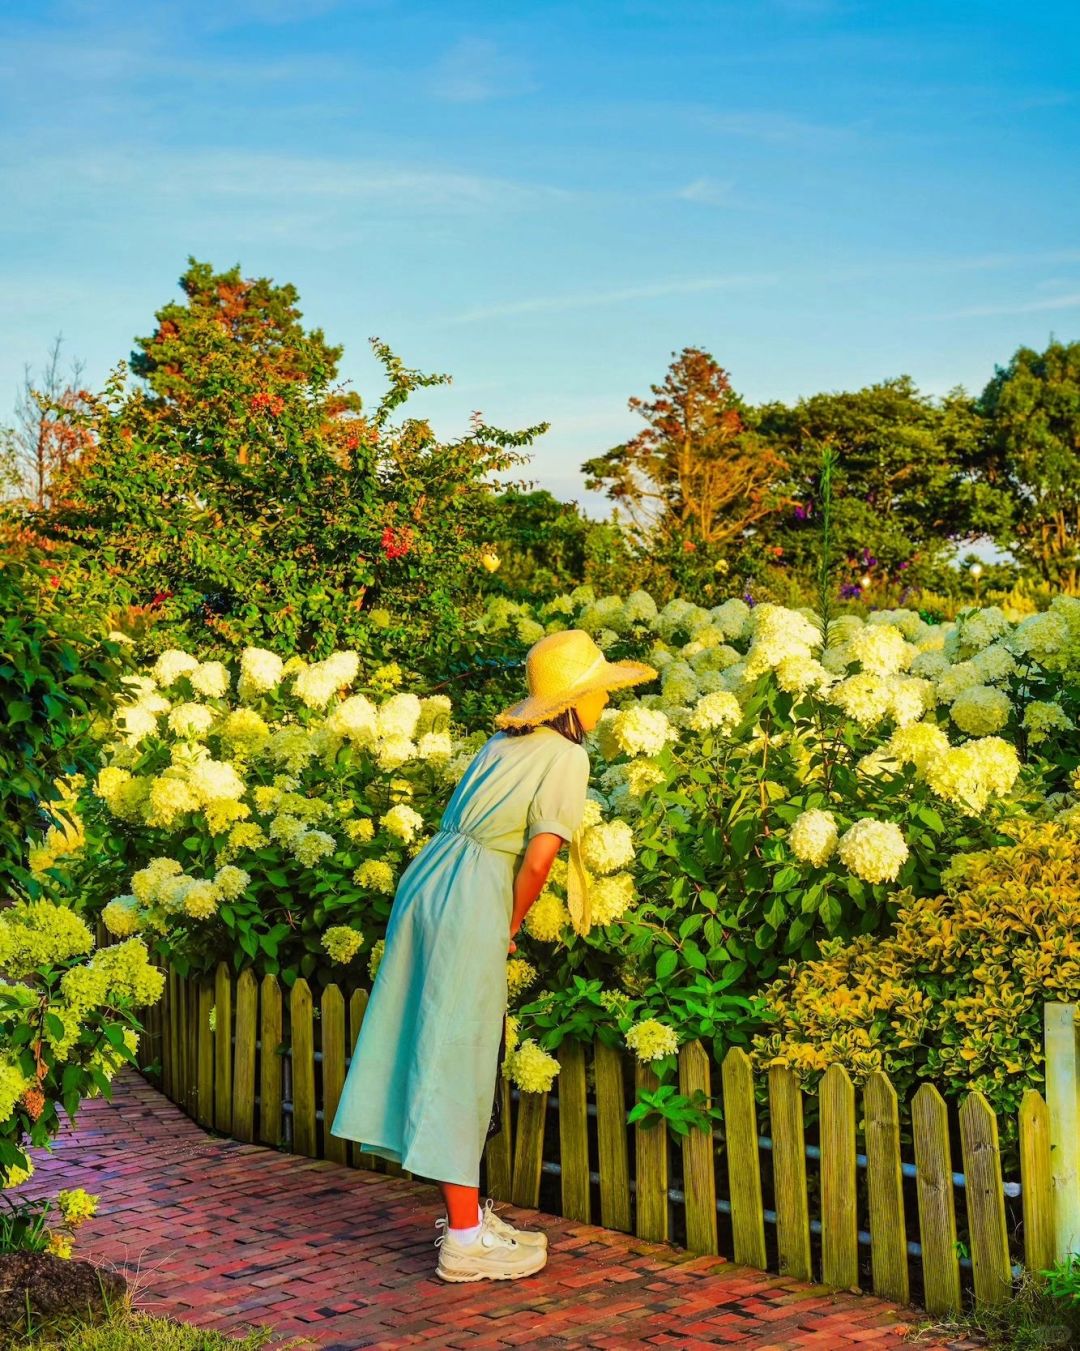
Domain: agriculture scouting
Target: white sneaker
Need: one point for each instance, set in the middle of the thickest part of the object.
(492, 1256)
(534, 1238)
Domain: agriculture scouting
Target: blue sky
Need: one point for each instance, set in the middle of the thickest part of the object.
(546, 200)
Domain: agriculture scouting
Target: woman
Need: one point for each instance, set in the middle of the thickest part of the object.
(421, 1082)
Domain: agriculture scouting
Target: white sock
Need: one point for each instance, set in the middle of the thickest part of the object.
(466, 1236)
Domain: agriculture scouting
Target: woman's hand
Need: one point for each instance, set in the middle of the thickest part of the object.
(513, 946)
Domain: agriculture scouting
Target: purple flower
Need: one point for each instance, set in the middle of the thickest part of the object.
(849, 591)
(749, 599)
(801, 513)
(868, 558)
(904, 564)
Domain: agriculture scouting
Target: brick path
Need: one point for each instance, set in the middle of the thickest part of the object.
(227, 1235)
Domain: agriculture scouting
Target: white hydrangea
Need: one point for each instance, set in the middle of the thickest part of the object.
(171, 665)
(732, 617)
(882, 649)
(260, 670)
(641, 731)
(190, 719)
(813, 836)
(865, 697)
(608, 846)
(210, 679)
(398, 716)
(395, 751)
(356, 718)
(873, 850)
(402, 822)
(716, 712)
(317, 684)
(981, 709)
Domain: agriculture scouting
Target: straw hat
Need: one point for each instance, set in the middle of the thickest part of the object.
(560, 669)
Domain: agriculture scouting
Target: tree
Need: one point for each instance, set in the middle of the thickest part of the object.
(900, 498)
(697, 471)
(248, 498)
(45, 441)
(1030, 459)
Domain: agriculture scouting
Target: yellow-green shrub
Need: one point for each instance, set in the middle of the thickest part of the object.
(955, 993)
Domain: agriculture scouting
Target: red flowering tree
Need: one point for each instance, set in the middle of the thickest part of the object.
(245, 495)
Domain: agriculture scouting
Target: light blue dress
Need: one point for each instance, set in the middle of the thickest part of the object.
(422, 1078)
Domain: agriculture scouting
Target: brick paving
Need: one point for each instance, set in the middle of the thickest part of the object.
(228, 1236)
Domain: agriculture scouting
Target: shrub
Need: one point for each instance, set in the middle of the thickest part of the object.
(67, 1022)
(51, 677)
(955, 992)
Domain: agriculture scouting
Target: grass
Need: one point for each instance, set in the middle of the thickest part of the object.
(137, 1332)
(1033, 1320)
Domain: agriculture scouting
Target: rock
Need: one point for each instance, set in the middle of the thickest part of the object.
(54, 1288)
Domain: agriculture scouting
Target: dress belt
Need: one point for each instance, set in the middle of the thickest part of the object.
(468, 835)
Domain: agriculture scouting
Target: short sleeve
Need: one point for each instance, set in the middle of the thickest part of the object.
(558, 805)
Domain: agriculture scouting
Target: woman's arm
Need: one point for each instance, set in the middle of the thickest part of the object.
(530, 878)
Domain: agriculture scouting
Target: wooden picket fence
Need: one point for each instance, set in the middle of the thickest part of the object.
(271, 1069)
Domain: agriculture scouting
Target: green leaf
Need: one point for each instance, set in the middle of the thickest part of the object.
(666, 964)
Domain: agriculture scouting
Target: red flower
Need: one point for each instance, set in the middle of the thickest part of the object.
(689, 547)
(396, 542)
(270, 403)
(54, 581)
(160, 596)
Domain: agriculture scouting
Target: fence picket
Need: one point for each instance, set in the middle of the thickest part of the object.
(357, 1008)
(499, 1153)
(744, 1163)
(170, 1057)
(247, 1012)
(651, 1171)
(333, 1069)
(302, 1050)
(884, 1182)
(985, 1201)
(937, 1211)
(574, 1132)
(529, 1149)
(1063, 1106)
(270, 1030)
(839, 1212)
(183, 1086)
(698, 1155)
(204, 1089)
(789, 1173)
(611, 1138)
(223, 1052)
(1036, 1186)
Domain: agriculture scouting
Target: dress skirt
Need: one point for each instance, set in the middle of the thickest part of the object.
(422, 1077)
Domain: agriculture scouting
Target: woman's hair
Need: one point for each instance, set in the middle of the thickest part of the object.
(567, 722)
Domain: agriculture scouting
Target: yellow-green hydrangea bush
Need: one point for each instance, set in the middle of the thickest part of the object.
(259, 810)
(67, 1021)
(785, 783)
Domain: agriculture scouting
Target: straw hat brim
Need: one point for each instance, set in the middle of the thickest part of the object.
(615, 675)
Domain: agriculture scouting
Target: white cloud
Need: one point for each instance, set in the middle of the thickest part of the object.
(586, 300)
(708, 191)
(476, 70)
(777, 128)
(1066, 302)
(300, 184)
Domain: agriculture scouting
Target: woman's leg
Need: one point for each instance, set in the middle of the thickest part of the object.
(462, 1205)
